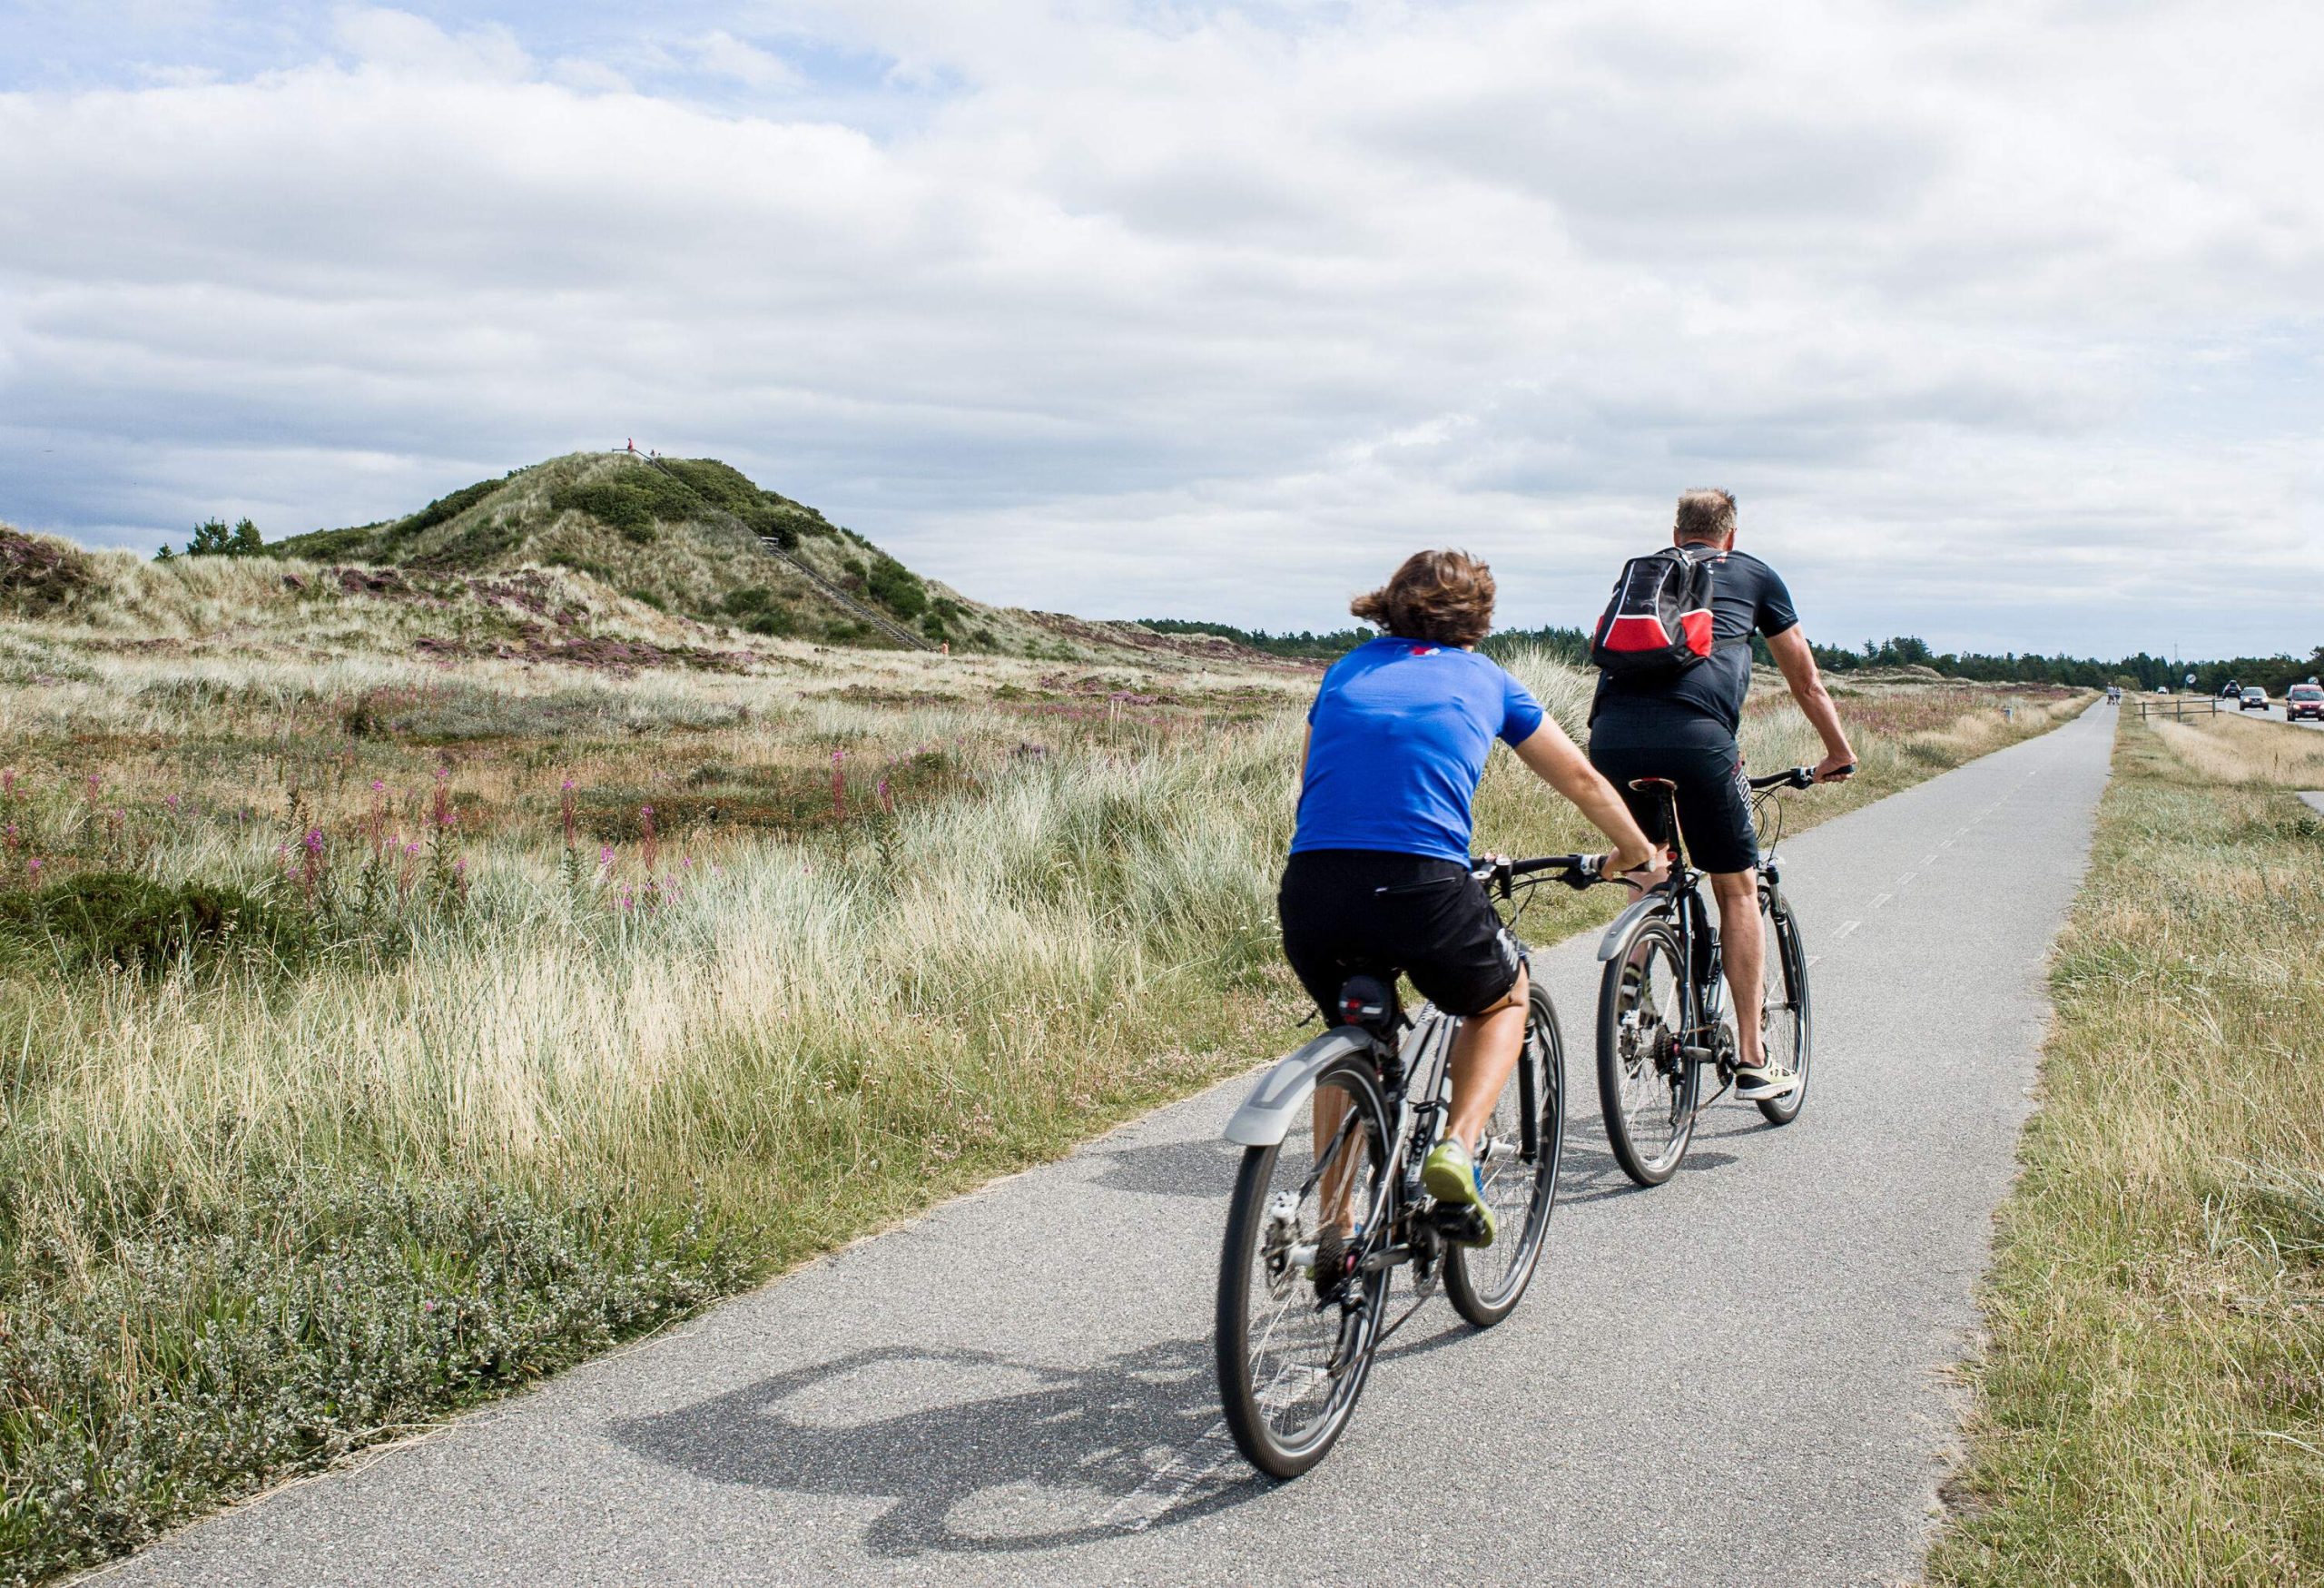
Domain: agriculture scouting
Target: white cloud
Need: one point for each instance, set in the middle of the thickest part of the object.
(385, 40)
(722, 54)
(2001, 323)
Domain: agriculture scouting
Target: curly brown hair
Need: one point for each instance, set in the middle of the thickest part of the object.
(1442, 597)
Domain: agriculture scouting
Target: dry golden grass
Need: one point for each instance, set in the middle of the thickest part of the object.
(2150, 1407)
(2237, 750)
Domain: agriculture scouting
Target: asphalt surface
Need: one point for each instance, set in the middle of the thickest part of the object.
(1737, 1377)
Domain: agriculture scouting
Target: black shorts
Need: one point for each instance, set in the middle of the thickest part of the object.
(1714, 800)
(1438, 927)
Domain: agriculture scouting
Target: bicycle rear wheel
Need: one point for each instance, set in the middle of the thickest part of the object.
(1518, 1156)
(1646, 1084)
(1297, 1318)
(1785, 1023)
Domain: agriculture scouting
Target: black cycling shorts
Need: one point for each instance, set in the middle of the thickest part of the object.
(1714, 800)
(1437, 926)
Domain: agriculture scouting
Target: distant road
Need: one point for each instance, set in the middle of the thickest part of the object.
(1735, 1379)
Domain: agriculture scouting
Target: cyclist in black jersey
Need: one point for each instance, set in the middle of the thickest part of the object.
(1681, 726)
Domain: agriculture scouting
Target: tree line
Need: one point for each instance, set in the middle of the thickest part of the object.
(2140, 671)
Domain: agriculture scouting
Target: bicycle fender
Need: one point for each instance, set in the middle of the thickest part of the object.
(1610, 944)
(1267, 1114)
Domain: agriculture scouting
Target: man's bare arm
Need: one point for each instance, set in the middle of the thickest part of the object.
(1797, 663)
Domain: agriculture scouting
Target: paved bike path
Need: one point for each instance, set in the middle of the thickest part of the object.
(1735, 1379)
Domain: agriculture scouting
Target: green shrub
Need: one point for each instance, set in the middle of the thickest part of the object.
(615, 503)
(117, 918)
(122, 919)
(449, 507)
(296, 1324)
(896, 587)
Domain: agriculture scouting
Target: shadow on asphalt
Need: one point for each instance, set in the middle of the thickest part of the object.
(1204, 1168)
(989, 1454)
(971, 1450)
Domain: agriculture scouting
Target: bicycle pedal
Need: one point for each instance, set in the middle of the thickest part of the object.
(1461, 1225)
(1698, 1055)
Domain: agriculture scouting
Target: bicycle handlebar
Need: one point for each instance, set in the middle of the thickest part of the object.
(1797, 777)
(1581, 871)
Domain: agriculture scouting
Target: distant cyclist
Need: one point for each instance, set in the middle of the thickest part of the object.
(1682, 726)
(1378, 880)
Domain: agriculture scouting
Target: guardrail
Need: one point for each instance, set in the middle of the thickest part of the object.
(2179, 707)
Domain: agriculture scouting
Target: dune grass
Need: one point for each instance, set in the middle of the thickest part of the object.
(2150, 1409)
(581, 1000)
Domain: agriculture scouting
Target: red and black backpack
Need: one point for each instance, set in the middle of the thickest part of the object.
(1659, 622)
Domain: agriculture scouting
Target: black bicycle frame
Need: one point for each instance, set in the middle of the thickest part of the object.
(1698, 933)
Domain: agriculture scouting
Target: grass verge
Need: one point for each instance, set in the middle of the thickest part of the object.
(2149, 1407)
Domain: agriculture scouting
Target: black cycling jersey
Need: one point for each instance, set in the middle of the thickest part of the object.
(1703, 705)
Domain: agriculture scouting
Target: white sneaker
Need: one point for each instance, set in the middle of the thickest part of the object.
(1768, 1081)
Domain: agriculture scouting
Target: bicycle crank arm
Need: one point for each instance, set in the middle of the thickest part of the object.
(1704, 1107)
(1385, 1257)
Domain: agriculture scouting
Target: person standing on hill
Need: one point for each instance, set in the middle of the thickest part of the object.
(1680, 724)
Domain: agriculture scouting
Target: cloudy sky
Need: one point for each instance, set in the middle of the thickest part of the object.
(2003, 320)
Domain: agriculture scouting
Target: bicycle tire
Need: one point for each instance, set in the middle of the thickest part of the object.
(1643, 1076)
(1537, 1086)
(1258, 1386)
(1785, 973)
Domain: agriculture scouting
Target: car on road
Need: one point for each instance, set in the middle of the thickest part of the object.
(2163, 689)
(2304, 700)
(2254, 699)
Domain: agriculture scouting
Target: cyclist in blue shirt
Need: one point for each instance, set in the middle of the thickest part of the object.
(1378, 881)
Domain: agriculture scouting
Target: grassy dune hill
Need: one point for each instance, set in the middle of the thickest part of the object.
(682, 537)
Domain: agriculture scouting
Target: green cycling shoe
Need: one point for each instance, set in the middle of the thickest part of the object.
(1457, 1182)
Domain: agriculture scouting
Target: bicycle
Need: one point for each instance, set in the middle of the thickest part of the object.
(1328, 1202)
(1661, 1002)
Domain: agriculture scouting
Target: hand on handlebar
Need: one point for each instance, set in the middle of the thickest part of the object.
(1836, 768)
(1638, 878)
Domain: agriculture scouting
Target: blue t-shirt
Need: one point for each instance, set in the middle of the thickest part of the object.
(1401, 729)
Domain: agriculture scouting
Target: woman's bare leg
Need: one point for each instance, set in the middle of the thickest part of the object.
(1482, 1056)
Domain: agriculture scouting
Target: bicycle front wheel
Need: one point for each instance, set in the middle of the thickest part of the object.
(1646, 1083)
(1298, 1315)
(1785, 1024)
(1518, 1158)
